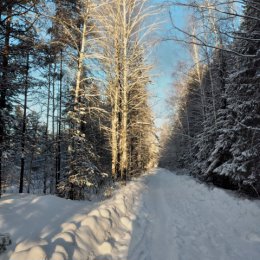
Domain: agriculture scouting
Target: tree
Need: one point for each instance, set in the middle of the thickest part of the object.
(224, 150)
(82, 65)
(75, 20)
(122, 30)
(240, 163)
(15, 26)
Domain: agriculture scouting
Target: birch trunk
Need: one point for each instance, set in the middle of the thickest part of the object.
(124, 144)
(114, 131)
(80, 62)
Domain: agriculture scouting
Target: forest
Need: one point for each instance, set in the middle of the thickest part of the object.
(75, 111)
(74, 100)
(129, 129)
(215, 124)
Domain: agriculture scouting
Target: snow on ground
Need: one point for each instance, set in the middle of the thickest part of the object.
(188, 221)
(48, 227)
(159, 216)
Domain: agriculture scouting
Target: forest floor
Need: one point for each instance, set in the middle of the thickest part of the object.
(158, 216)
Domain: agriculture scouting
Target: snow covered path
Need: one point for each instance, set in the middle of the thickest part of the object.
(159, 216)
(184, 220)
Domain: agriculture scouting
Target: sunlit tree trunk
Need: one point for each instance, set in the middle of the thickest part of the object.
(80, 60)
(124, 89)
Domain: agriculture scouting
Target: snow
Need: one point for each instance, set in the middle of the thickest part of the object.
(158, 216)
(48, 227)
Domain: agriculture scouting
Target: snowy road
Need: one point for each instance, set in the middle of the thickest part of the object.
(159, 216)
(184, 220)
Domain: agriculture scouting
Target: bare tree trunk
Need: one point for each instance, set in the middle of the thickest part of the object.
(54, 174)
(46, 131)
(80, 61)
(24, 125)
(4, 86)
(124, 143)
(30, 173)
(115, 102)
(32, 158)
(209, 67)
(199, 75)
(59, 121)
(114, 130)
(122, 34)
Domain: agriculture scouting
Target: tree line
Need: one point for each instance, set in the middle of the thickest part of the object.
(215, 129)
(74, 112)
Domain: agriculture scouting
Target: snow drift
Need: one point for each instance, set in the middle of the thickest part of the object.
(47, 227)
(159, 216)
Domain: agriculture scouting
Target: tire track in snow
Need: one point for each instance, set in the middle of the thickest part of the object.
(185, 220)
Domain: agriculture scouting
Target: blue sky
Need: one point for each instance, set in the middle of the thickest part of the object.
(166, 56)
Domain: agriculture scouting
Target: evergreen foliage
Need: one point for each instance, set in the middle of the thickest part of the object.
(55, 102)
(216, 129)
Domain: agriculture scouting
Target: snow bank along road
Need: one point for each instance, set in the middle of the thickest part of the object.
(159, 216)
